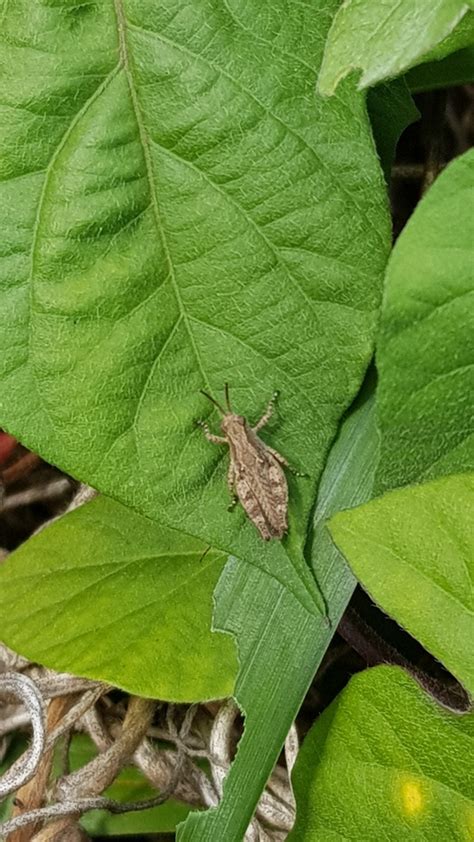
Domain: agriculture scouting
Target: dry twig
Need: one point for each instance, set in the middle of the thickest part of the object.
(19, 686)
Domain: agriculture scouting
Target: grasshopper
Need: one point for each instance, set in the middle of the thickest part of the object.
(255, 477)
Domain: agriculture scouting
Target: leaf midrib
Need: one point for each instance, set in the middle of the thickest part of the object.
(144, 141)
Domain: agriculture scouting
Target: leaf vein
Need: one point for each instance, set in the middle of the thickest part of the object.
(291, 131)
(36, 227)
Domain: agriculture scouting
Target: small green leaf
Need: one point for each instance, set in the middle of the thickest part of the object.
(462, 36)
(280, 644)
(110, 595)
(413, 551)
(425, 353)
(385, 762)
(383, 39)
(178, 209)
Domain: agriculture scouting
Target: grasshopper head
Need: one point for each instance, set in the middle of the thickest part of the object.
(232, 425)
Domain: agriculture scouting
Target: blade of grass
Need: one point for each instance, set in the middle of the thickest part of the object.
(280, 644)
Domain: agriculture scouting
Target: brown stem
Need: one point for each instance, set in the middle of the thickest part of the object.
(32, 795)
(59, 832)
(97, 775)
(408, 172)
(374, 649)
(20, 468)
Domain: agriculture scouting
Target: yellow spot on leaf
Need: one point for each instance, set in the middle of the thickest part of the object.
(469, 823)
(411, 796)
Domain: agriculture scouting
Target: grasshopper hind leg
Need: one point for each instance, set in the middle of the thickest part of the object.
(284, 462)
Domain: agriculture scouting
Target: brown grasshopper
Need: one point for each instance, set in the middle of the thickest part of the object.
(255, 475)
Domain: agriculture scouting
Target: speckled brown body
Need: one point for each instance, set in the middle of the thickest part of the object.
(255, 474)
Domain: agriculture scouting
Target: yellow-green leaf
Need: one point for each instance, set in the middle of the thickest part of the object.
(425, 353)
(108, 594)
(385, 762)
(413, 551)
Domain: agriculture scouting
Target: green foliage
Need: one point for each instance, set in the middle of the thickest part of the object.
(413, 551)
(385, 39)
(425, 353)
(280, 644)
(111, 595)
(166, 228)
(180, 209)
(384, 761)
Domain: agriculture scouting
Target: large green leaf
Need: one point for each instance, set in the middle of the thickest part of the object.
(413, 551)
(385, 762)
(178, 210)
(110, 595)
(280, 643)
(425, 353)
(383, 39)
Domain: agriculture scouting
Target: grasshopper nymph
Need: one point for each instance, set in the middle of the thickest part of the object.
(255, 476)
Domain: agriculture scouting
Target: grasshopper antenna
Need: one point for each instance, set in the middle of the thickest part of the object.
(213, 400)
(227, 399)
(204, 554)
